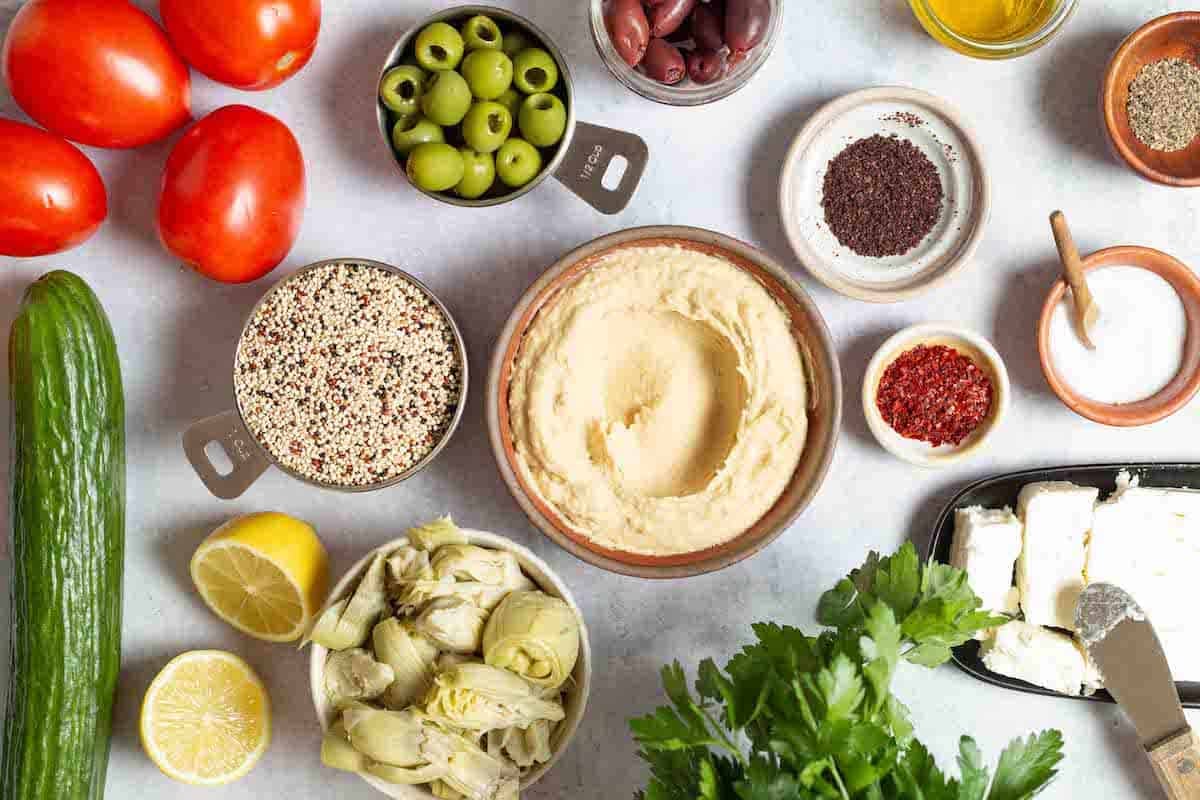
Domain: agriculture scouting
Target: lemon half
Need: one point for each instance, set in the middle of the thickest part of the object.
(206, 718)
(265, 574)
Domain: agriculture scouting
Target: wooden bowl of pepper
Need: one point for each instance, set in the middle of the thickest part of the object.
(934, 394)
(1150, 100)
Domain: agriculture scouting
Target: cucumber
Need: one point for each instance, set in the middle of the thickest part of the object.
(68, 543)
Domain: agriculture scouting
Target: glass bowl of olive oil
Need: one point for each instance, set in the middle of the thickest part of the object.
(993, 28)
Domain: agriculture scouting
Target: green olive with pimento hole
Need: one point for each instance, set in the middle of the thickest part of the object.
(534, 71)
(447, 98)
(408, 132)
(479, 173)
(435, 167)
(515, 41)
(517, 163)
(439, 47)
(542, 120)
(487, 126)
(489, 73)
(482, 33)
(401, 89)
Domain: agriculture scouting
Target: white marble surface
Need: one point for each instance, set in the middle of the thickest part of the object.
(714, 167)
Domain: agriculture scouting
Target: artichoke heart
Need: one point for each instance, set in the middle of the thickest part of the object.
(408, 564)
(415, 595)
(432, 535)
(534, 635)
(480, 698)
(447, 661)
(453, 624)
(465, 562)
(442, 791)
(524, 747)
(355, 675)
(397, 738)
(338, 753)
(409, 776)
(348, 623)
(472, 772)
(411, 657)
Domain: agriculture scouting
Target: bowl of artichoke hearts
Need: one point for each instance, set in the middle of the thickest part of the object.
(449, 663)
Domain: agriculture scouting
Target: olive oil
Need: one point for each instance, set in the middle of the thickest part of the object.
(993, 20)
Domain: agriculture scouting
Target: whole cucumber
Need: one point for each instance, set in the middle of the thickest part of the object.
(68, 543)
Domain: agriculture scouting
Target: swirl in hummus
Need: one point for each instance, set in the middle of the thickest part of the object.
(658, 403)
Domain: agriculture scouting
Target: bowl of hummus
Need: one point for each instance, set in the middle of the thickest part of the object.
(664, 402)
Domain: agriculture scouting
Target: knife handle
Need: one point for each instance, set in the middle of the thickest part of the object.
(1176, 762)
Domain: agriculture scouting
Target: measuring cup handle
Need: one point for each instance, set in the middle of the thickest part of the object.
(228, 431)
(593, 148)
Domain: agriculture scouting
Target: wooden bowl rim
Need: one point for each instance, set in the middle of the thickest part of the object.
(782, 287)
(1110, 89)
(1182, 388)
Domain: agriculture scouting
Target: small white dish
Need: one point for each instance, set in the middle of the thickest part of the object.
(576, 690)
(964, 341)
(941, 134)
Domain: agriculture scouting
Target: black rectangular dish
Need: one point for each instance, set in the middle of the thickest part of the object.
(1001, 491)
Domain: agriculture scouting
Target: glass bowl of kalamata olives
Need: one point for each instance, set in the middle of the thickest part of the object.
(685, 52)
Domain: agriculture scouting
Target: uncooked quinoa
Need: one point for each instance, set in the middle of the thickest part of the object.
(348, 374)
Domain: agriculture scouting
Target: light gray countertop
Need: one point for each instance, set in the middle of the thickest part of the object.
(715, 167)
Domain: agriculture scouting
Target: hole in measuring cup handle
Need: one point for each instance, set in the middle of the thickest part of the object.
(227, 432)
(592, 150)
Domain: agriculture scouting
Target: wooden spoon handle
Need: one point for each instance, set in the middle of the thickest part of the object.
(1072, 264)
(1177, 765)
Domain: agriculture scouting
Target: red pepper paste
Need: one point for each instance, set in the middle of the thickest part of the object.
(934, 394)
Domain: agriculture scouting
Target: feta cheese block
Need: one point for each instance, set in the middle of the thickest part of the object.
(986, 546)
(1050, 571)
(1036, 655)
(1147, 541)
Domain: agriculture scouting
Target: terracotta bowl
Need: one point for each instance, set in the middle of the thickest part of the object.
(1176, 394)
(1171, 36)
(825, 401)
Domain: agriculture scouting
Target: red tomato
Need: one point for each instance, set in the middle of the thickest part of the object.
(100, 72)
(233, 195)
(248, 44)
(52, 196)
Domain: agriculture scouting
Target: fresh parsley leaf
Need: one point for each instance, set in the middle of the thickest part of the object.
(898, 580)
(975, 777)
(766, 780)
(841, 688)
(1027, 766)
(840, 607)
(667, 730)
(917, 777)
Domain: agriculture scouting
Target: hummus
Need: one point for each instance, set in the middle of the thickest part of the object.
(658, 403)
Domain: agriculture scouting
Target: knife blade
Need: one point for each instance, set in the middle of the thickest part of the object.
(1125, 649)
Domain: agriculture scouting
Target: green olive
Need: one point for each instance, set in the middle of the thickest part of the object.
(515, 41)
(518, 162)
(489, 73)
(543, 119)
(435, 167)
(511, 99)
(482, 33)
(401, 88)
(439, 47)
(534, 71)
(479, 173)
(447, 98)
(409, 132)
(487, 126)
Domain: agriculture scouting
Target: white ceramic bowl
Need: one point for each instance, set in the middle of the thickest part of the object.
(943, 135)
(966, 342)
(577, 689)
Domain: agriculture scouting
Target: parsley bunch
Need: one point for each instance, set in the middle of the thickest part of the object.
(799, 717)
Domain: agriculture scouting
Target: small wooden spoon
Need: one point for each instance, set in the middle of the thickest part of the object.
(1086, 310)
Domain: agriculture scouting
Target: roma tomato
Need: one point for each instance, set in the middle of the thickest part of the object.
(233, 195)
(52, 196)
(100, 72)
(247, 44)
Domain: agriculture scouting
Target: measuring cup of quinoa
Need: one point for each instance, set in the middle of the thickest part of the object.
(349, 375)
(935, 393)
(477, 106)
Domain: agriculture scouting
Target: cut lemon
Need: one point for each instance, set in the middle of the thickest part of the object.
(206, 718)
(265, 574)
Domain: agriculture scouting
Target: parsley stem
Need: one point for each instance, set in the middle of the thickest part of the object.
(809, 717)
(837, 777)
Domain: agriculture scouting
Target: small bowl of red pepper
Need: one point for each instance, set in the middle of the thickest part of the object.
(934, 393)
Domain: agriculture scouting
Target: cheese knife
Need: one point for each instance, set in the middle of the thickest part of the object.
(1123, 645)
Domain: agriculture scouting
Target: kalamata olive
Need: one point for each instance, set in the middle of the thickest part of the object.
(664, 62)
(628, 28)
(746, 23)
(705, 66)
(708, 25)
(669, 15)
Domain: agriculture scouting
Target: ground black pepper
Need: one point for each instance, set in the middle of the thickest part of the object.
(882, 196)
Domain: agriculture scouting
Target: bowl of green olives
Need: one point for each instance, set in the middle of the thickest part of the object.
(476, 105)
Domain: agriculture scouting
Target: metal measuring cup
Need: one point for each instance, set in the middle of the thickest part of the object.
(582, 157)
(250, 458)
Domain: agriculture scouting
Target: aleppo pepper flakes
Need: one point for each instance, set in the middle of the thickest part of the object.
(882, 196)
(934, 394)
